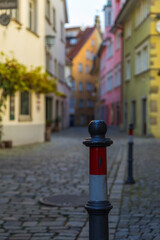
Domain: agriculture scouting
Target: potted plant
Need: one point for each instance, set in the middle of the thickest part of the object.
(48, 130)
(57, 121)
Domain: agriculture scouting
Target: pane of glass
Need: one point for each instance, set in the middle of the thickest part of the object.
(25, 108)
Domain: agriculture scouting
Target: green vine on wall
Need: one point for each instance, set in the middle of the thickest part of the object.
(15, 76)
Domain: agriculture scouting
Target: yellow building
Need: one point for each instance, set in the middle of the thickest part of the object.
(84, 46)
(141, 60)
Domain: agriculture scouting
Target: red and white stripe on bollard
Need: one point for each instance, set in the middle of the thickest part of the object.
(98, 174)
(98, 206)
(130, 139)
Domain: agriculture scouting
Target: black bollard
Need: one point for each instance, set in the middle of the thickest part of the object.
(98, 206)
(130, 179)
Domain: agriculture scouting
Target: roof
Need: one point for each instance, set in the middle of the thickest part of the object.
(83, 38)
(127, 8)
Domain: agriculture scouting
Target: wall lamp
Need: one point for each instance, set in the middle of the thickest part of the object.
(50, 40)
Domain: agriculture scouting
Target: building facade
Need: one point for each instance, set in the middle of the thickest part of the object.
(85, 45)
(141, 64)
(29, 38)
(57, 107)
(111, 67)
(24, 117)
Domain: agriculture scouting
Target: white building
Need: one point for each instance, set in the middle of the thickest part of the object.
(25, 39)
(56, 17)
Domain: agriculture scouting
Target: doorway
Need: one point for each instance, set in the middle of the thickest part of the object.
(144, 116)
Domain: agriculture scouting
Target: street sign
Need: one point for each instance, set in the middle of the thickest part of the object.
(5, 19)
(8, 4)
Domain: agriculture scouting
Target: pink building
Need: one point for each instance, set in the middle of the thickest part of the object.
(110, 66)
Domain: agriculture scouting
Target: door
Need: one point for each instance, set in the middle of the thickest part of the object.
(144, 116)
(49, 109)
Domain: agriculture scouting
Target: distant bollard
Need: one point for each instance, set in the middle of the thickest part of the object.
(98, 206)
(130, 179)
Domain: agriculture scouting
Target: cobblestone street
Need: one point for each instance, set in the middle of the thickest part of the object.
(60, 167)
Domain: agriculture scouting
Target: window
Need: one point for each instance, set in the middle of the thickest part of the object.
(32, 15)
(55, 67)
(12, 107)
(25, 106)
(118, 40)
(145, 58)
(73, 85)
(72, 103)
(54, 19)
(117, 77)
(108, 17)
(48, 9)
(80, 86)
(82, 120)
(61, 72)
(14, 14)
(133, 117)
(128, 29)
(81, 103)
(62, 32)
(48, 61)
(142, 11)
(73, 41)
(89, 87)
(92, 56)
(128, 68)
(87, 69)
(110, 50)
(92, 42)
(141, 59)
(109, 81)
(80, 67)
(90, 103)
(87, 54)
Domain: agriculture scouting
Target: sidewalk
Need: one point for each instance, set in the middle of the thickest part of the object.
(140, 208)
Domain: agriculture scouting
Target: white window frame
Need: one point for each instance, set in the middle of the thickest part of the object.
(142, 58)
(32, 16)
(24, 117)
(80, 67)
(110, 50)
(54, 18)
(128, 29)
(87, 69)
(128, 68)
(87, 54)
(80, 86)
(109, 81)
(118, 40)
(92, 42)
(117, 76)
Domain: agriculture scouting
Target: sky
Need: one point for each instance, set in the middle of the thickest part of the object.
(82, 12)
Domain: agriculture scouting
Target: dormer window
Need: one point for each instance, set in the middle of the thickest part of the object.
(108, 14)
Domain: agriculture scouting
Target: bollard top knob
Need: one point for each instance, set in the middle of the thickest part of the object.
(131, 126)
(97, 130)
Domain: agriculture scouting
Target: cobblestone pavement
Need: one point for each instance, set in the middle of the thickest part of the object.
(30, 173)
(140, 207)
